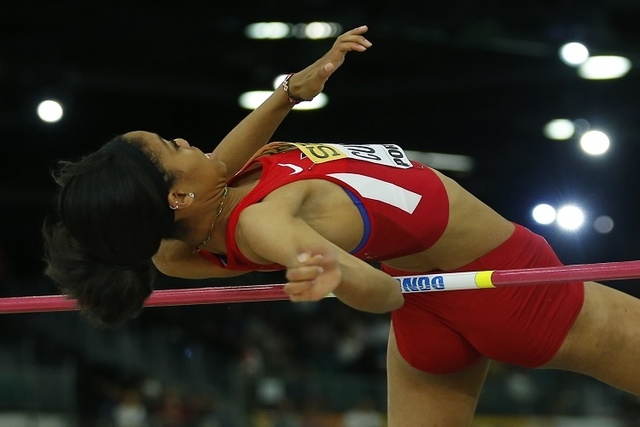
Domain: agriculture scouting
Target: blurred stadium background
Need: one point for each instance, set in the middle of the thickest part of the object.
(471, 87)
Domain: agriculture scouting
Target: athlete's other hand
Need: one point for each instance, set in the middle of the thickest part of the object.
(316, 275)
(308, 83)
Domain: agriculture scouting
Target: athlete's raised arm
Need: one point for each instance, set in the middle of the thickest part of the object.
(256, 129)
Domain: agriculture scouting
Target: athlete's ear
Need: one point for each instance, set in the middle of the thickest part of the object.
(179, 200)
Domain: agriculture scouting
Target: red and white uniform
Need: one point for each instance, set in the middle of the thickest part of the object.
(405, 206)
(405, 210)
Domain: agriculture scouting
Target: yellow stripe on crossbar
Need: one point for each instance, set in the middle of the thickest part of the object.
(483, 279)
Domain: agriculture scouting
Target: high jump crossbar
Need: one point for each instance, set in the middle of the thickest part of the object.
(435, 282)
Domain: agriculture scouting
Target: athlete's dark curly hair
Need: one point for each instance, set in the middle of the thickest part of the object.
(112, 215)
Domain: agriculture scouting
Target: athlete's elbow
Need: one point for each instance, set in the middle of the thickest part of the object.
(392, 303)
(398, 302)
(395, 302)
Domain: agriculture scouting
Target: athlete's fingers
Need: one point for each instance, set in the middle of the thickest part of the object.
(309, 82)
(301, 291)
(297, 288)
(303, 273)
(314, 256)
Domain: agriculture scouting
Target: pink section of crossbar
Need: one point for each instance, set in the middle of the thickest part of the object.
(578, 272)
(159, 298)
(255, 293)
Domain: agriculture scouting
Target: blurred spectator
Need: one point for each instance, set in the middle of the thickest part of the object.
(285, 415)
(172, 410)
(364, 414)
(204, 411)
(130, 411)
(350, 345)
(521, 389)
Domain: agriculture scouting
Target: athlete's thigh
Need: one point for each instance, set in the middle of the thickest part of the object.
(604, 341)
(417, 398)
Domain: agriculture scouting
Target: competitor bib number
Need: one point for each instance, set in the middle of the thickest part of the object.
(382, 154)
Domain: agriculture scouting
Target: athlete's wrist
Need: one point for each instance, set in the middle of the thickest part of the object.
(287, 90)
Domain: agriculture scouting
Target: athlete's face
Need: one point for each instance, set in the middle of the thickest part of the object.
(178, 156)
(197, 171)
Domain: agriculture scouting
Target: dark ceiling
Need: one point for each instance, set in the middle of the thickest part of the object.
(466, 77)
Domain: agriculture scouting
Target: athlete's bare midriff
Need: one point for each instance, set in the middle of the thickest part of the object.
(465, 238)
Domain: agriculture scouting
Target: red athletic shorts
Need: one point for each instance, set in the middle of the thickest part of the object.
(444, 332)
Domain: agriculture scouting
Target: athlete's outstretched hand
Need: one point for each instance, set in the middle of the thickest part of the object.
(316, 276)
(308, 83)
